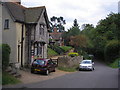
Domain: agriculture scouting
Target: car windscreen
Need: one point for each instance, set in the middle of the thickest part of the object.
(40, 62)
(86, 62)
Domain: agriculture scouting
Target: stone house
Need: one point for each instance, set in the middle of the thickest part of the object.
(25, 30)
(56, 38)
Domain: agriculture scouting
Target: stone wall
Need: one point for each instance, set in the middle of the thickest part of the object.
(67, 61)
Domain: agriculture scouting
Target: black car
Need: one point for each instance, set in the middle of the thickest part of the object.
(43, 65)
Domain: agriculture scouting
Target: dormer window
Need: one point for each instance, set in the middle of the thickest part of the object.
(6, 24)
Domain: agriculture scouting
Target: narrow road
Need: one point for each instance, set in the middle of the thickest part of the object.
(102, 77)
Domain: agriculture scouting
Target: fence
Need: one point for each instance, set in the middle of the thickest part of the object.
(55, 61)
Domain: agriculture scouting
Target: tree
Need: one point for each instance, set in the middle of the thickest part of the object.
(75, 24)
(57, 22)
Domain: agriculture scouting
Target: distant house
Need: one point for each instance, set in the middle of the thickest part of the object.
(25, 30)
(55, 38)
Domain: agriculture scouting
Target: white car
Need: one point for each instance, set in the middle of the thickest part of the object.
(86, 65)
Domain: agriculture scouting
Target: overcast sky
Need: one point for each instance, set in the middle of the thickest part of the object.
(85, 11)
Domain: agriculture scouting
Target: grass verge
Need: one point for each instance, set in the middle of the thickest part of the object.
(66, 48)
(68, 69)
(51, 52)
(115, 64)
(9, 79)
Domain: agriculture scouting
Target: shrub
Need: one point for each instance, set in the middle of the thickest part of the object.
(112, 51)
(57, 49)
(115, 64)
(66, 48)
(5, 55)
(73, 54)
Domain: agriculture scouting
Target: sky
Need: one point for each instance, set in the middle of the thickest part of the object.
(85, 11)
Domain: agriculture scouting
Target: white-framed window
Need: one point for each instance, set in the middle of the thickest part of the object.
(6, 24)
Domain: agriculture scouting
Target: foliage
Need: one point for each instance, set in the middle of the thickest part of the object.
(112, 51)
(66, 48)
(78, 41)
(57, 22)
(115, 64)
(71, 32)
(75, 24)
(9, 79)
(51, 52)
(5, 55)
(57, 49)
(106, 30)
(73, 54)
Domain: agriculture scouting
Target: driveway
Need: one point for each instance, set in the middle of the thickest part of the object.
(28, 77)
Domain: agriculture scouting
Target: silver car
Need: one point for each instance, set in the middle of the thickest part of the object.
(86, 65)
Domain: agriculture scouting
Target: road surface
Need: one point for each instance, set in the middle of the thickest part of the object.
(102, 77)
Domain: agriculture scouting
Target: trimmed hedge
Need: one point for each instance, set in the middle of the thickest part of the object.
(57, 49)
(5, 55)
(112, 51)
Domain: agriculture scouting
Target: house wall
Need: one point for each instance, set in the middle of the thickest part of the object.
(0, 23)
(9, 35)
(18, 41)
(45, 37)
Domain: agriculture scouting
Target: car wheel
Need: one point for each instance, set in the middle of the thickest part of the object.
(47, 72)
(54, 70)
(79, 69)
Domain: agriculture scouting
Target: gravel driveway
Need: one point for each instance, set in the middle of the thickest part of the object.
(27, 77)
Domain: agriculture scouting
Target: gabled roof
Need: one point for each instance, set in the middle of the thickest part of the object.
(16, 11)
(20, 13)
(33, 14)
(56, 36)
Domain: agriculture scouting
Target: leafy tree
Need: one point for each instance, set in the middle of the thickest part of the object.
(57, 22)
(75, 24)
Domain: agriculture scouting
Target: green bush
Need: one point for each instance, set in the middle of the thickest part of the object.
(115, 64)
(73, 54)
(66, 48)
(112, 51)
(5, 55)
(57, 49)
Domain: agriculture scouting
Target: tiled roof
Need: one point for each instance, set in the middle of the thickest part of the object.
(56, 36)
(33, 14)
(26, 15)
(17, 11)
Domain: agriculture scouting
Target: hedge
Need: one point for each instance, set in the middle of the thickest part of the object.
(5, 55)
(112, 51)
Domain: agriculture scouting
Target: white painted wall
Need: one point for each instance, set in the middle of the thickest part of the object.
(9, 35)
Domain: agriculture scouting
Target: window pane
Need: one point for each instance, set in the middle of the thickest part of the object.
(6, 24)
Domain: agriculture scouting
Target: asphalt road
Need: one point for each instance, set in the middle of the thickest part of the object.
(102, 77)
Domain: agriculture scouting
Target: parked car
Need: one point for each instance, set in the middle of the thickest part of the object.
(86, 65)
(43, 65)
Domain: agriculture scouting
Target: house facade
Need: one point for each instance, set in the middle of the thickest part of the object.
(56, 38)
(25, 30)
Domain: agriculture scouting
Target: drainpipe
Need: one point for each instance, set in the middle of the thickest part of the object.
(22, 39)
